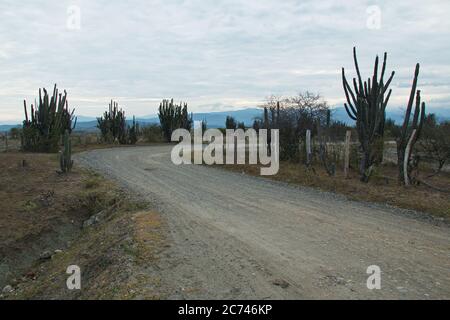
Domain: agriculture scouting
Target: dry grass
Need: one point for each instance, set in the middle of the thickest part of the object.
(379, 189)
(13, 145)
(34, 196)
(44, 211)
(112, 257)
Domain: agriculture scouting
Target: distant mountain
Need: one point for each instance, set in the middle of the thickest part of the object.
(86, 119)
(396, 114)
(217, 119)
(213, 119)
(86, 126)
(7, 127)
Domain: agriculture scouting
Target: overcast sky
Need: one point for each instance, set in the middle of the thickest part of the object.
(215, 54)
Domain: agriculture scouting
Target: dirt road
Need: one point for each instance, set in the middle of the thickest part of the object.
(235, 236)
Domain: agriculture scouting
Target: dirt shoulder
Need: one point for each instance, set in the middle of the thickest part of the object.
(383, 187)
(50, 221)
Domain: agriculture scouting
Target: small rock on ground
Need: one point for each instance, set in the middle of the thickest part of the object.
(7, 289)
(280, 283)
(46, 255)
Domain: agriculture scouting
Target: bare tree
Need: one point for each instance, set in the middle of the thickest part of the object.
(293, 116)
(309, 110)
(435, 142)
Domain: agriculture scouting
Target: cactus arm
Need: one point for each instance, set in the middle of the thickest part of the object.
(355, 59)
(348, 93)
(75, 123)
(383, 69)
(349, 113)
(416, 111)
(375, 74)
(422, 120)
(387, 99)
(388, 83)
(410, 104)
(25, 109)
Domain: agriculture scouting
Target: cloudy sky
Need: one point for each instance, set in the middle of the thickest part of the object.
(216, 55)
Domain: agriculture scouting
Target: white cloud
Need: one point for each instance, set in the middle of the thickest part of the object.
(217, 53)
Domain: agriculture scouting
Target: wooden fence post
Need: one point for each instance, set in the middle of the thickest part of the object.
(308, 147)
(6, 141)
(348, 136)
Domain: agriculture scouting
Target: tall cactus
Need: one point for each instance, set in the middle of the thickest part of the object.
(167, 118)
(172, 117)
(230, 123)
(47, 122)
(65, 158)
(367, 106)
(133, 132)
(268, 125)
(410, 132)
(328, 119)
(185, 118)
(112, 124)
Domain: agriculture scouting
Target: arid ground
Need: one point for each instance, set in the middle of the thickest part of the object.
(230, 235)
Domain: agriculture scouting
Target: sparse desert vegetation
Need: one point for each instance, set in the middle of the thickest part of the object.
(383, 187)
(51, 220)
(315, 150)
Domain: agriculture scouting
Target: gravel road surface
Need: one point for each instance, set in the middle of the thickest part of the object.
(232, 236)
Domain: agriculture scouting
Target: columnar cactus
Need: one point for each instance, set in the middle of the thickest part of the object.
(230, 123)
(172, 117)
(410, 132)
(65, 159)
(47, 122)
(112, 125)
(133, 132)
(366, 105)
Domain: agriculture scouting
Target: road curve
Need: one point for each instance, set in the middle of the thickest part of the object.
(234, 236)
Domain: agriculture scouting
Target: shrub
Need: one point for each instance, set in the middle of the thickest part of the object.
(435, 141)
(152, 133)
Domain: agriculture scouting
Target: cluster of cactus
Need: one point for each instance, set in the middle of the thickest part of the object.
(132, 132)
(65, 158)
(173, 116)
(410, 132)
(48, 121)
(113, 126)
(367, 106)
(230, 123)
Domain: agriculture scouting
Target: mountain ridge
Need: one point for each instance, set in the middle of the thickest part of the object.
(217, 119)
